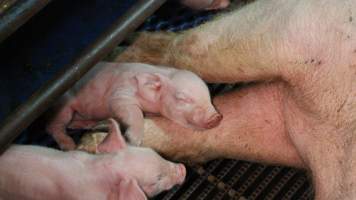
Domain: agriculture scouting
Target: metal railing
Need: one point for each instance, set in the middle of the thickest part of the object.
(26, 113)
(14, 13)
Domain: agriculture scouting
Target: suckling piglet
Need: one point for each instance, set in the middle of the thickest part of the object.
(124, 91)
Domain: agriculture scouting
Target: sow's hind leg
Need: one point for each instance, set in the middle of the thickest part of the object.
(240, 46)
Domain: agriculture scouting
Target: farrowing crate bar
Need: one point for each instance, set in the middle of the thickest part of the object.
(25, 114)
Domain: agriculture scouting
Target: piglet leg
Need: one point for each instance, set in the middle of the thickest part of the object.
(57, 128)
(132, 117)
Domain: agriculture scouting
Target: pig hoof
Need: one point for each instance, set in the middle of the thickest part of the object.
(67, 146)
(64, 141)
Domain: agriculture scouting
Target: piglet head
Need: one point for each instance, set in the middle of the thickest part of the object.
(152, 173)
(188, 103)
(206, 4)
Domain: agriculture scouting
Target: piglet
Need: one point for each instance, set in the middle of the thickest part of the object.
(124, 91)
(206, 4)
(123, 172)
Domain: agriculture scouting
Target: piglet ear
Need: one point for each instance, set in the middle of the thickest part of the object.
(114, 141)
(149, 86)
(130, 190)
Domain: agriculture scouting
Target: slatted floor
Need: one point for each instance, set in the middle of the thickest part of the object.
(234, 179)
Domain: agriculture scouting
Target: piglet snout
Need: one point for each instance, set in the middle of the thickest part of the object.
(213, 121)
(181, 173)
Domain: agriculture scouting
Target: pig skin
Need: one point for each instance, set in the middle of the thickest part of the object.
(33, 172)
(126, 90)
(301, 111)
(206, 4)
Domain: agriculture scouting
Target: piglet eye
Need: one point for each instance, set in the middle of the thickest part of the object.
(181, 97)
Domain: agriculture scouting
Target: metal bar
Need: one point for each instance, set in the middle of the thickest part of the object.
(5, 5)
(45, 96)
(15, 13)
